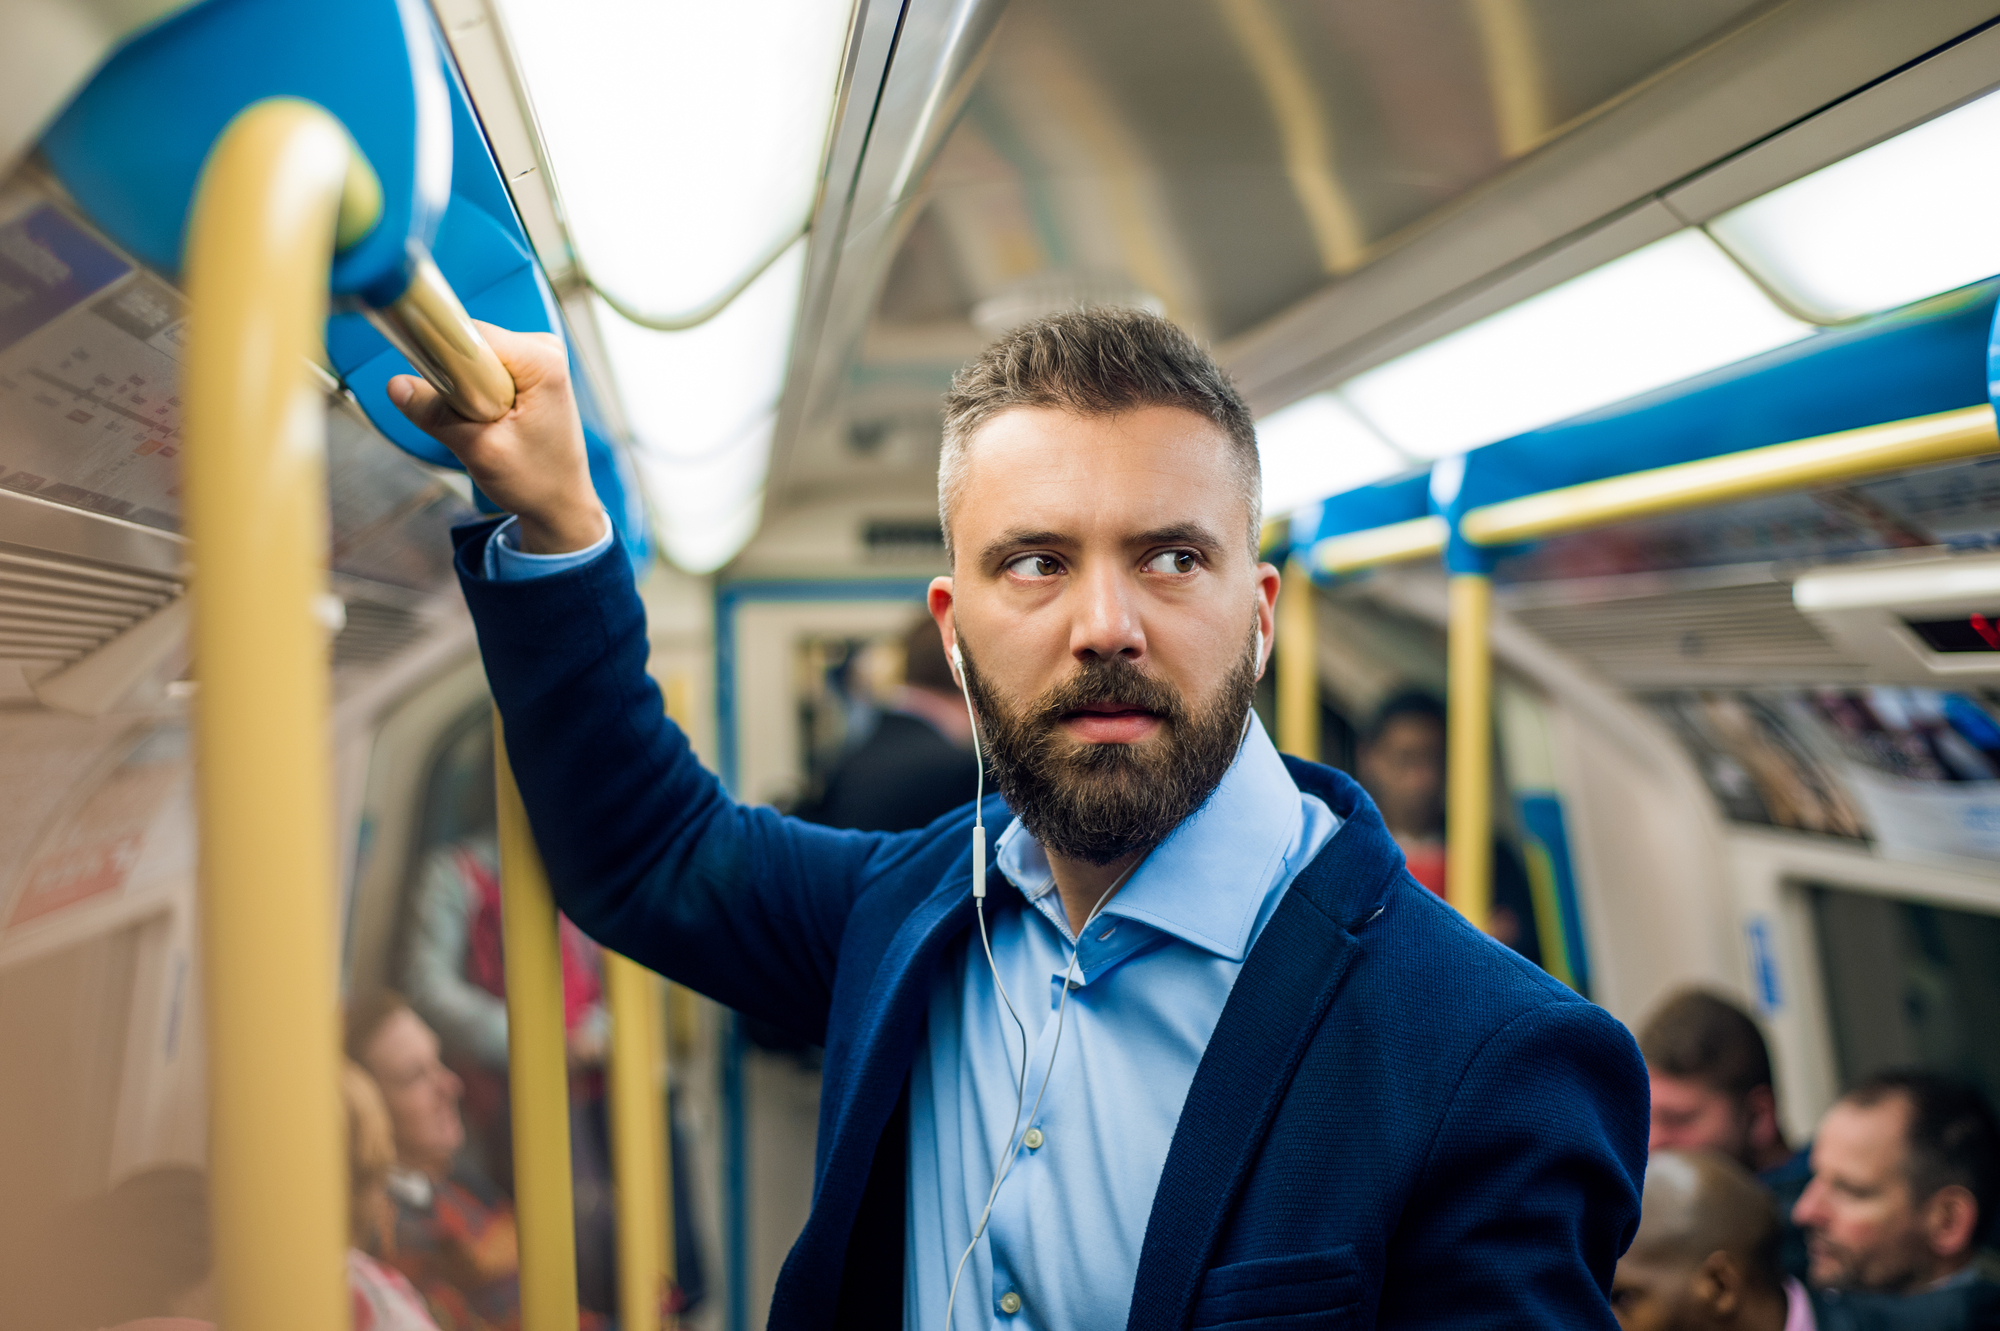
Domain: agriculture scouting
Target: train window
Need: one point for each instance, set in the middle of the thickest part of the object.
(1909, 984)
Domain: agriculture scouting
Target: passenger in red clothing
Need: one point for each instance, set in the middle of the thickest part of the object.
(454, 1233)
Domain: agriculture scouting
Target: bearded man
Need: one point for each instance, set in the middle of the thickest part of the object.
(1199, 1052)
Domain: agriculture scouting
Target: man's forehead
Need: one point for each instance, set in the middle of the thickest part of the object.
(1039, 468)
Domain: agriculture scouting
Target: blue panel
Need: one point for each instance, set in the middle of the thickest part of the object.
(1542, 826)
(1365, 507)
(132, 144)
(1928, 358)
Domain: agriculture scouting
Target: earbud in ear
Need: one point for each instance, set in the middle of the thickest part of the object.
(1260, 644)
(958, 665)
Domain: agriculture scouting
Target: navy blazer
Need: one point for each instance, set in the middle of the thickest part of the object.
(1397, 1122)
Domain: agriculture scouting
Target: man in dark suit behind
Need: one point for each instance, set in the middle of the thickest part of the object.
(916, 765)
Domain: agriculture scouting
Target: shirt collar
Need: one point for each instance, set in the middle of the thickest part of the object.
(1210, 880)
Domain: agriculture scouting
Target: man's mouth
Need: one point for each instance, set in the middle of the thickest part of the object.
(1110, 722)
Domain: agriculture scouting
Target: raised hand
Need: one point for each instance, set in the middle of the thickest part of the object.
(531, 461)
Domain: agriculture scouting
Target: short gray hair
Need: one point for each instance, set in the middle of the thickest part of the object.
(1095, 362)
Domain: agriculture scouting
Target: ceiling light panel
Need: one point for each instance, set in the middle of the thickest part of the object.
(1908, 218)
(1318, 447)
(1676, 308)
(702, 404)
(685, 138)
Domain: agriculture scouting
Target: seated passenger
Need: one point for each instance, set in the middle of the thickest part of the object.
(917, 765)
(455, 980)
(1706, 1259)
(1712, 1091)
(1905, 1184)
(1401, 763)
(454, 1235)
(381, 1296)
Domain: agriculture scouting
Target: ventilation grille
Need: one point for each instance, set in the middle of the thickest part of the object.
(55, 610)
(375, 631)
(1742, 634)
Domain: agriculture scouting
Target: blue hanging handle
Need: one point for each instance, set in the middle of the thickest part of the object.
(130, 149)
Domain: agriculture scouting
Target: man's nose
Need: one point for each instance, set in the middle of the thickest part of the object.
(1105, 618)
(1806, 1211)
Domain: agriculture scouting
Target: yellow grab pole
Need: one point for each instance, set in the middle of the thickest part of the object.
(1469, 748)
(1829, 459)
(1417, 538)
(1298, 667)
(537, 1064)
(260, 244)
(638, 1139)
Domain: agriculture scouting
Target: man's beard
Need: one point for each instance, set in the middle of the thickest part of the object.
(1101, 802)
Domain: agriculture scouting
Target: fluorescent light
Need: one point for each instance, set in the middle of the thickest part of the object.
(685, 137)
(1317, 447)
(1674, 309)
(701, 405)
(1906, 219)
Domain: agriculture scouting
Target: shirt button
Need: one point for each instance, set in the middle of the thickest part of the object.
(1010, 1303)
(1032, 1139)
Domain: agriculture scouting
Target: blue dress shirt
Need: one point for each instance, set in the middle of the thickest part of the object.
(506, 561)
(1152, 974)
(1061, 1251)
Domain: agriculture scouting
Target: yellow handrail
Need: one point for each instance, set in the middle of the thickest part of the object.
(638, 1139)
(1829, 459)
(1469, 747)
(1417, 538)
(537, 1064)
(260, 244)
(1298, 667)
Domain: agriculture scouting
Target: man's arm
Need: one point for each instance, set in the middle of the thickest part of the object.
(643, 847)
(1530, 1192)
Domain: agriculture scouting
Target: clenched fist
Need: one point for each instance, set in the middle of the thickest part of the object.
(531, 461)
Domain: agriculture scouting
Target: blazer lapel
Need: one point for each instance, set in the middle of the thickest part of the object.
(1283, 991)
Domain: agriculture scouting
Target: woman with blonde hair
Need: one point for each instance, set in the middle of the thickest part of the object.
(383, 1298)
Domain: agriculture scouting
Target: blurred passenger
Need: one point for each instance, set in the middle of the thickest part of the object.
(917, 765)
(1905, 1183)
(1712, 1091)
(382, 1297)
(456, 980)
(1401, 763)
(454, 1235)
(1706, 1259)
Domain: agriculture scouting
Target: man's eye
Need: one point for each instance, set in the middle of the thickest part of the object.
(1034, 566)
(1173, 561)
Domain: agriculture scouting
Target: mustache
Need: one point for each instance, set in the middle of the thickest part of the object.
(1109, 679)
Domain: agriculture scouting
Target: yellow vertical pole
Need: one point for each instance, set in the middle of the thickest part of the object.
(1469, 747)
(1298, 666)
(260, 244)
(537, 1064)
(638, 1139)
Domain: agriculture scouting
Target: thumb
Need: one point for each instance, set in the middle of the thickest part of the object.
(425, 406)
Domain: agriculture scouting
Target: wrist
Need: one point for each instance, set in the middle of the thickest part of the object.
(562, 531)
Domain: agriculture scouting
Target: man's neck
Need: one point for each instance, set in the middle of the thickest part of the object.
(1084, 886)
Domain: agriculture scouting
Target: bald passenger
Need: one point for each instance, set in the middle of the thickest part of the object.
(1706, 1255)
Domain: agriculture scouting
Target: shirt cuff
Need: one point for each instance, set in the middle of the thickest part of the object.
(506, 561)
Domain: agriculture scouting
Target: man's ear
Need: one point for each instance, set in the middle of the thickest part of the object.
(1949, 1220)
(1718, 1286)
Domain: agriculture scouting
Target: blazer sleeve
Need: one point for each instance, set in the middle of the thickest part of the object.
(1530, 1192)
(644, 848)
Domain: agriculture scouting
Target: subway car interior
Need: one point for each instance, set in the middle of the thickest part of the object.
(1622, 373)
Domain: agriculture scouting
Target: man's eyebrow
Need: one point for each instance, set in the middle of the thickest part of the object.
(1178, 533)
(1017, 539)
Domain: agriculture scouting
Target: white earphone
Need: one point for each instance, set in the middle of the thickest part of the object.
(1015, 1139)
